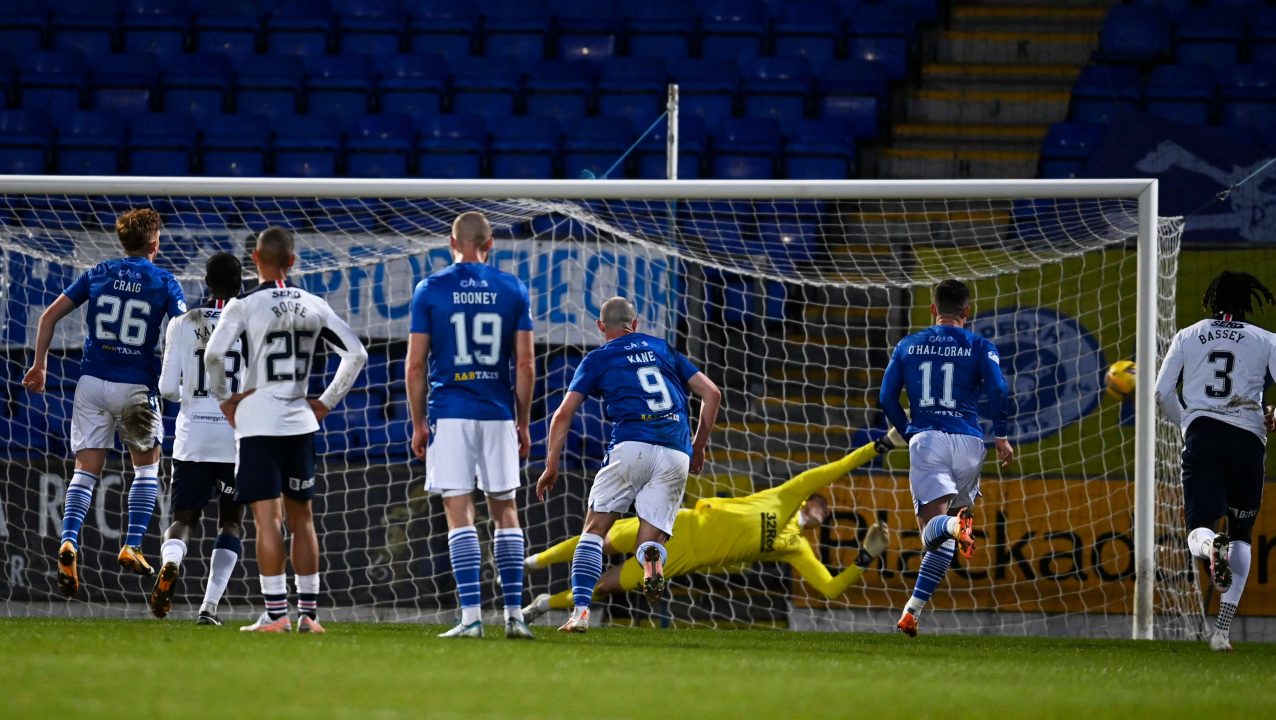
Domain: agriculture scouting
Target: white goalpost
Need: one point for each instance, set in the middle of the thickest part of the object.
(791, 294)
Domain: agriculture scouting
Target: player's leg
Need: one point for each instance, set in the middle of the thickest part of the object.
(451, 464)
(1244, 498)
(92, 433)
(190, 492)
(553, 555)
(931, 480)
(142, 430)
(226, 548)
(587, 566)
(656, 505)
(499, 478)
(610, 582)
(258, 484)
(299, 492)
(1207, 447)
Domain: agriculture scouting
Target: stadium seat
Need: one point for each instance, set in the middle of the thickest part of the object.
(8, 78)
(633, 87)
(732, 29)
(1135, 33)
(1182, 93)
(789, 244)
(1247, 96)
(23, 25)
(1066, 148)
(853, 90)
(447, 27)
(370, 27)
(124, 83)
(820, 150)
(776, 88)
(340, 85)
(197, 83)
(518, 30)
(587, 29)
(379, 146)
(299, 27)
(1209, 36)
(451, 146)
(746, 148)
(162, 144)
(592, 145)
(1262, 35)
(25, 139)
(1101, 91)
(653, 151)
(89, 143)
(53, 79)
(235, 145)
(156, 26)
(414, 84)
(884, 34)
(809, 28)
(659, 29)
(306, 145)
(559, 89)
(85, 25)
(525, 147)
(486, 86)
(232, 29)
(269, 85)
(706, 88)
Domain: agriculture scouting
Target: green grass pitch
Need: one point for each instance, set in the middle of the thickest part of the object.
(139, 670)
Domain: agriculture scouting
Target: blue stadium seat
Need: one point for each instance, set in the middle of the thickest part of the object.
(516, 29)
(730, 298)
(525, 147)
(1247, 96)
(156, 26)
(809, 28)
(306, 145)
(854, 91)
(1262, 35)
(587, 29)
(197, 83)
(124, 83)
(370, 27)
(25, 139)
(1135, 33)
(89, 143)
(884, 34)
(776, 88)
(658, 29)
(1182, 93)
(820, 150)
(486, 86)
(299, 27)
(733, 29)
(706, 88)
(692, 141)
(790, 244)
(235, 145)
(53, 79)
(162, 144)
(593, 144)
(922, 11)
(379, 146)
(340, 85)
(269, 85)
(1101, 91)
(746, 148)
(85, 25)
(232, 29)
(559, 89)
(1209, 36)
(8, 78)
(633, 87)
(414, 84)
(446, 27)
(23, 25)
(451, 146)
(1066, 148)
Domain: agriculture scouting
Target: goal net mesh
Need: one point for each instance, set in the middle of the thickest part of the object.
(791, 305)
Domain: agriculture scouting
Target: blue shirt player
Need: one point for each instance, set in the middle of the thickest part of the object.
(127, 300)
(644, 385)
(470, 423)
(944, 368)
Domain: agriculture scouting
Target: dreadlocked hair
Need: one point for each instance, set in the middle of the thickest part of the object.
(1236, 294)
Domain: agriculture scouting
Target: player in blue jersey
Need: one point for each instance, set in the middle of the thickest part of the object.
(470, 422)
(127, 301)
(644, 385)
(944, 369)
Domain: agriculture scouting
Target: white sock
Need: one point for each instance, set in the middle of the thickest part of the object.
(1198, 542)
(1239, 560)
(219, 572)
(173, 551)
(471, 615)
(514, 613)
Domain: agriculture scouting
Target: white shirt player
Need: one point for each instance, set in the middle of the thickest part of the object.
(203, 434)
(280, 326)
(1223, 365)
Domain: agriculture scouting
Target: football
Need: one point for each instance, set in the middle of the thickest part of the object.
(1118, 383)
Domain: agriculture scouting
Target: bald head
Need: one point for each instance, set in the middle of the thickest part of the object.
(617, 314)
(471, 230)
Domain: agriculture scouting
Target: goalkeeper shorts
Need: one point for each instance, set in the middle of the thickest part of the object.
(98, 407)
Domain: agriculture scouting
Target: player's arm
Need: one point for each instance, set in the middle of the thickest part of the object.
(1167, 382)
(998, 401)
(170, 379)
(800, 487)
(524, 378)
(418, 349)
(558, 429)
(809, 567)
(49, 319)
(710, 402)
(229, 328)
(888, 396)
(354, 356)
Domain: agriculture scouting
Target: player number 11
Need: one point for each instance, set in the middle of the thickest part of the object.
(927, 399)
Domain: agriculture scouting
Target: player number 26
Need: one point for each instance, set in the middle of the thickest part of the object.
(132, 330)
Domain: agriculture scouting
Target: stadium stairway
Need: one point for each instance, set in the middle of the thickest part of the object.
(998, 75)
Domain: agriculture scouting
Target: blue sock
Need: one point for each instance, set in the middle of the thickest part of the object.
(587, 567)
(934, 564)
(936, 532)
(79, 498)
(467, 561)
(509, 550)
(142, 495)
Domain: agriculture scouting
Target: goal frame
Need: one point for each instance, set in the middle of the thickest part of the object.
(1144, 191)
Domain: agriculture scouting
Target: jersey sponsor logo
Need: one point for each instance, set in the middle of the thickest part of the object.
(476, 375)
(1052, 364)
(770, 528)
(181, 306)
(473, 283)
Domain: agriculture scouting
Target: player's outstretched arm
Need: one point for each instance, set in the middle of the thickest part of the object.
(524, 378)
(418, 350)
(170, 379)
(888, 396)
(354, 356)
(558, 428)
(1167, 381)
(49, 319)
(798, 488)
(998, 400)
(831, 586)
(710, 402)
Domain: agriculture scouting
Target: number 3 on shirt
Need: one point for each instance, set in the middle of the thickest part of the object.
(486, 332)
(654, 383)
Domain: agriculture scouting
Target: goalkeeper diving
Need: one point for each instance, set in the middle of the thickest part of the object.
(720, 533)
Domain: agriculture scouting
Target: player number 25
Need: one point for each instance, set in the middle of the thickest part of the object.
(654, 383)
(132, 331)
(485, 334)
(928, 399)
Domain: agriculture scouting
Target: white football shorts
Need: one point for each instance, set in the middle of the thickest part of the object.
(651, 478)
(467, 454)
(943, 464)
(97, 408)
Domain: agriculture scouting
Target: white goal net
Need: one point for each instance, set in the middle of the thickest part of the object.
(792, 302)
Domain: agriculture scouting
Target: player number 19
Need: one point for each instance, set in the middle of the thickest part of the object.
(485, 333)
(928, 399)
